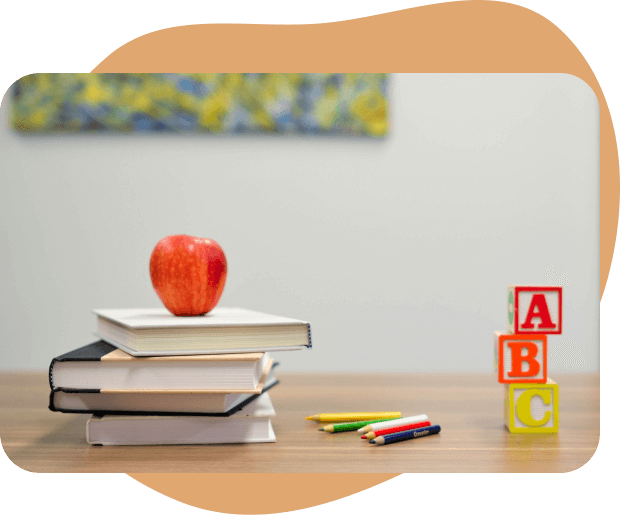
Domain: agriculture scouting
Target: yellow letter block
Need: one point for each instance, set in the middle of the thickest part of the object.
(532, 407)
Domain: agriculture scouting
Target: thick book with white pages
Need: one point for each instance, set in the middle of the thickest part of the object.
(252, 424)
(101, 366)
(156, 331)
(67, 400)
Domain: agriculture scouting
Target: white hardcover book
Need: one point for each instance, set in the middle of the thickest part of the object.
(155, 331)
(252, 424)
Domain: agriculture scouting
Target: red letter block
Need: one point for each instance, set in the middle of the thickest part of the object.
(535, 309)
(521, 358)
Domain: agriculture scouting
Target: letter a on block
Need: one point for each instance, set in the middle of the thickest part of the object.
(532, 408)
(535, 309)
(538, 309)
(521, 358)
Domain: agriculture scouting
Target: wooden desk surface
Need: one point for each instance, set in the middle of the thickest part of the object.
(469, 409)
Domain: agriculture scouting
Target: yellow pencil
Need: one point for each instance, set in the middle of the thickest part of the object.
(354, 417)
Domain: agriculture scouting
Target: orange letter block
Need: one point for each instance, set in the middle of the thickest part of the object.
(535, 309)
(521, 358)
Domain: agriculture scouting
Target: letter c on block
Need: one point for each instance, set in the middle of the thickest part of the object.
(523, 406)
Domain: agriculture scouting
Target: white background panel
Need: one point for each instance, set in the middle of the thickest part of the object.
(389, 244)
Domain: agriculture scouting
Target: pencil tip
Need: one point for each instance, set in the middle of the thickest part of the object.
(371, 441)
(363, 437)
(321, 429)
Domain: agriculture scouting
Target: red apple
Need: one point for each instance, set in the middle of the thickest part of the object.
(188, 274)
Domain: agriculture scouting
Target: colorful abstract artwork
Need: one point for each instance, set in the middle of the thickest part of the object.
(307, 103)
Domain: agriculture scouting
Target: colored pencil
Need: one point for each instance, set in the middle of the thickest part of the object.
(349, 426)
(397, 429)
(406, 435)
(392, 423)
(354, 417)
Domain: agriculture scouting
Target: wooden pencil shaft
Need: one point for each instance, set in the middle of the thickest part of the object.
(397, 429)
(406, 435)
(355, 417)
(350, 426)
(393, 423)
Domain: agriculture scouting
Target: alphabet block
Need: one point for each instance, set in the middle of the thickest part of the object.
(521, 358)
(535, 309)
(532, 408)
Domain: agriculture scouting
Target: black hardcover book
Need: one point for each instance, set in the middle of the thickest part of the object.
(101, 366)
(66, 400)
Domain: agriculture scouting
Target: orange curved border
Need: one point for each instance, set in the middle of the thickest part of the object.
(466, 36)
(472, 37)
(259, 493)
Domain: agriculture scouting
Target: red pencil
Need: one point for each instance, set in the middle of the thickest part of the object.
(406, 427)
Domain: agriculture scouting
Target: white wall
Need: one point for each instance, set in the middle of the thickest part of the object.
(398, 251)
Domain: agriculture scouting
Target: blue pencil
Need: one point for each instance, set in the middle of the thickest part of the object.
(406, 435)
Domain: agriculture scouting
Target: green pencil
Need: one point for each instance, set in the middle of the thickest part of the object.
(350, 426)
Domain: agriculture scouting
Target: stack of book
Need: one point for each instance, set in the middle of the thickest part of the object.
(531, 398)
(154, 378)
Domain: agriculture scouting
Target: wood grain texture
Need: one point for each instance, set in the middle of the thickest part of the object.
(468, 407)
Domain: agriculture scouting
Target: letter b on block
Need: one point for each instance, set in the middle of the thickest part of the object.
(532, 408)
(521, 358)
(535, 309)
